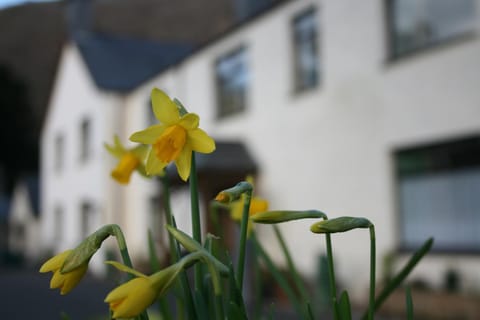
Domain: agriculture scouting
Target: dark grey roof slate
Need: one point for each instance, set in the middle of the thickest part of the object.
(122, 64)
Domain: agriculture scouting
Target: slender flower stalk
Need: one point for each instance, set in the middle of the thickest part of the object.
(243, 238)
(195, 216)
(371, 302)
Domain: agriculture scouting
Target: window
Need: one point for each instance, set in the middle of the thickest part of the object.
(87, 215)
(415, 24)
(305, 50)
(85, 139)
(58, 224)
(438, 190)
(232, 81)
(58, 153)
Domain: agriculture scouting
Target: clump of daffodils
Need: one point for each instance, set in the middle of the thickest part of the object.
(175, 139)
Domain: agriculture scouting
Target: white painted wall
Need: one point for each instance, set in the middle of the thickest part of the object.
(74, 98)
(330, 148)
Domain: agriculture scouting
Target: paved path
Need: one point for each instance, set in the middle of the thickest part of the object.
(25, 295)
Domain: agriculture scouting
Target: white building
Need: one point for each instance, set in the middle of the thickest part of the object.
(359, 108)
(24, 220)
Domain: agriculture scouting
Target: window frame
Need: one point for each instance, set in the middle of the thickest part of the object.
(85, 139)
(239, 49)
(400, 218)
(392, 55)
(297, 86)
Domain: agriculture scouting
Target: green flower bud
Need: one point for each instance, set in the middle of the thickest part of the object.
(234, 193)
(279, 216)
(340, 224)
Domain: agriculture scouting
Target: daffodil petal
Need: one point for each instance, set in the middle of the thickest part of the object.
(184, 162)
(72, 278)
(149, 135)
(154, 166)
(200, 141)
(133, 297)
(55, 262)
(57, 280)
(164, 108)
(189, 121)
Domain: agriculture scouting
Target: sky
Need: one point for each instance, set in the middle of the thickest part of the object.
(9, 3)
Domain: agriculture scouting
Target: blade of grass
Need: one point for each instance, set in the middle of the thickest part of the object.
(398, 279)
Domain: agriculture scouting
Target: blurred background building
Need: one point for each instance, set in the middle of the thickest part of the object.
(354, 108)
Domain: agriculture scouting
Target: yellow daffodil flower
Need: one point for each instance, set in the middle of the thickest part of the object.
(131, 298)
(256, 205)
(64, 281)
(130, 160)
(174, 138)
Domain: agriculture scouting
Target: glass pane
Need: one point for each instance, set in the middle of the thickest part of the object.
(305, 51)
(232, 81)
(419, 23)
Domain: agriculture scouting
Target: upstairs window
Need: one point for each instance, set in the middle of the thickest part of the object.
(438, 188)
(416, 24)
(58, 224)
(232, 83)
(87, 216)
(58, 152)
(85, 137)
(305, 50)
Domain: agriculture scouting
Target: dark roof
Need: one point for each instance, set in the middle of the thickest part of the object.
(122, 64)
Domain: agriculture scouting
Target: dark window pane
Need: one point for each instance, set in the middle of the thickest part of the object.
(437, 190)
(232, 81)
(419, 23)
(305, 50)
(85, 139)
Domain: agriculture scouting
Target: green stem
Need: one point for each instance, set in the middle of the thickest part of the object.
(371, 303)
(243, 238)
(398, 279)
(122, 246)
(196, 227)
(331, 276)
(298, 281)
(175, 254)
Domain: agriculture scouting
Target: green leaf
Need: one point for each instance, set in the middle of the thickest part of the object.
(344, 307)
